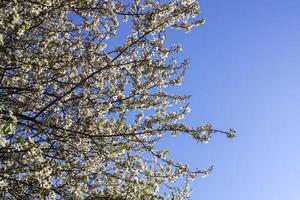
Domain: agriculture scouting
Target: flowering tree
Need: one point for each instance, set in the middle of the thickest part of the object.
(80, 118)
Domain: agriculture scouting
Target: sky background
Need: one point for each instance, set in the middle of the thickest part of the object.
(244, 75)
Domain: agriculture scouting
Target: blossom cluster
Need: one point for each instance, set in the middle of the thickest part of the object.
(80, 118)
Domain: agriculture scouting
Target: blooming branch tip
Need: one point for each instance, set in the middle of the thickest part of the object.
(231, 133)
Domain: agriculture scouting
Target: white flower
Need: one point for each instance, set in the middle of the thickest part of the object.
(204, 133)
(206, 172)
(1, 39)
(231, 133)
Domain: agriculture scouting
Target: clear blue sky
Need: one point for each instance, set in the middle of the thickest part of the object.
(245, 74)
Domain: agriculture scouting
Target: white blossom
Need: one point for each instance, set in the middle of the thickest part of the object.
(231, 133)
(83, 105)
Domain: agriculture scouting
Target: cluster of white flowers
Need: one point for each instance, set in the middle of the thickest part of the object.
(79, 118)
(231, 133)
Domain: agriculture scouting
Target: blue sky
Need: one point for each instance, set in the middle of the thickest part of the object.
(244, 74)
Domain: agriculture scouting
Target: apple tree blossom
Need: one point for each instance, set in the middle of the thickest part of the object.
(84, 101)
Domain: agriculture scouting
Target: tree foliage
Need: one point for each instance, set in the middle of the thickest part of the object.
(80, 111)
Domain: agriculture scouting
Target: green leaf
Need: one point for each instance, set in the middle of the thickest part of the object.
(121, 122)
(166, 152)
(128, 154)
(20, 140)
(100, 123)
(83, 3)
(174, 133)
(6, 129)
(25, 27)
(145, 190)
